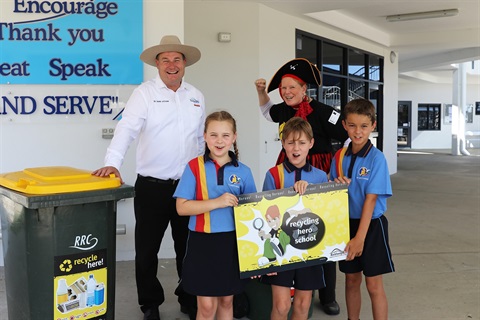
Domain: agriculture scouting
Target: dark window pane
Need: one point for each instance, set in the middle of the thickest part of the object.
(307, 48)
(332, 58)
(429, 116)
(422, 117)
(356, 63)
(435, 118)
(331, 91)
(312, 91)
(374, 93)
(376, 97)
(356, 89)
(374, 68)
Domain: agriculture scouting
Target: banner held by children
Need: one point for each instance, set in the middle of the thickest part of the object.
(280, 230)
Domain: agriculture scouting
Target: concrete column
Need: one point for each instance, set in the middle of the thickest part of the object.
(458, 110)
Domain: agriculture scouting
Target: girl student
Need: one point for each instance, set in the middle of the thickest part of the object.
(207, 192)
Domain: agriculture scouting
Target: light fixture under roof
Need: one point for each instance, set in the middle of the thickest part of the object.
(422, 15)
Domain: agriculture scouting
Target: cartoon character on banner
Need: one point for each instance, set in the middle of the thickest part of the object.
(299, 231)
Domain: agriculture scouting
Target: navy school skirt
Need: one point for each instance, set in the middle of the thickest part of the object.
(210, 266)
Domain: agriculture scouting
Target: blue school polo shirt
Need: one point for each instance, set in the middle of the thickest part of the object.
(368, 170)
(233, 177)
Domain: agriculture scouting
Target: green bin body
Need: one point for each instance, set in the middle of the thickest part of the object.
(50, 241)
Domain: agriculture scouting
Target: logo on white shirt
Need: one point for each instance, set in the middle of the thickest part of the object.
(196, 103)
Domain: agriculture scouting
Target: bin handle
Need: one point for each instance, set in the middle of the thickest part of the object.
(121, 229)
(24, 183)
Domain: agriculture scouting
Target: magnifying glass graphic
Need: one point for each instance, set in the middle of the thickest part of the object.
(258, 224)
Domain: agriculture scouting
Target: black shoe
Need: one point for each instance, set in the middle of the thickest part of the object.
(190, 311)
(151, 314)
(331, 308)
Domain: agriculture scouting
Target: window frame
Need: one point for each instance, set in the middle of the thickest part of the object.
(429, 119)
(371, 81)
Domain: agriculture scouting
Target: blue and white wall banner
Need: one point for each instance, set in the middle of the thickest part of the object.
(71, 42)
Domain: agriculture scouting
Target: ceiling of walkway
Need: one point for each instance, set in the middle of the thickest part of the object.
(425, 48)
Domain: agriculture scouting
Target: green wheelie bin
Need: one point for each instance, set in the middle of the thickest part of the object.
(59, 242)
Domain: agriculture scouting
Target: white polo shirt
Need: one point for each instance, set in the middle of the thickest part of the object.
(168, 124)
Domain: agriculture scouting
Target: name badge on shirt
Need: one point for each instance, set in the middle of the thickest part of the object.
(334, 117)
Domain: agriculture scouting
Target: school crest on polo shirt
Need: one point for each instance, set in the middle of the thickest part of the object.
(363, 173)
(234, 179)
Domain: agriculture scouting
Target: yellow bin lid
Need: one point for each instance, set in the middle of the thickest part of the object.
(50, 180)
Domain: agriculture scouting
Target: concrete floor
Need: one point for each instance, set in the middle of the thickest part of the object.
(434, 218)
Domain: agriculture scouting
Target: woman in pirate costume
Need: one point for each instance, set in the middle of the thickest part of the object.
(291, 80)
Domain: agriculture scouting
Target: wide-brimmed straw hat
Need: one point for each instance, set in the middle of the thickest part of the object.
(170, 43)
(300, 68)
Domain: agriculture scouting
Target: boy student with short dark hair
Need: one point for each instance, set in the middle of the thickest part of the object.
(365, 168)
(297, 139)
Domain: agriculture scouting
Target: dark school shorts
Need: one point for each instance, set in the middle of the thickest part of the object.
(307, 278)
(210, 266)
(376, 258)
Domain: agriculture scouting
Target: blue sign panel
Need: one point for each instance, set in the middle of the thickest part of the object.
(71, 42)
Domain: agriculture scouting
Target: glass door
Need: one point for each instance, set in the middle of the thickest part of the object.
(404, 130)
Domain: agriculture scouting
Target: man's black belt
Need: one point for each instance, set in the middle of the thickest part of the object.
(161, 181)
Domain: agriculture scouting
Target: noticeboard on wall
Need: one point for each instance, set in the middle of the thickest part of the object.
(71, 42)
(447, 114)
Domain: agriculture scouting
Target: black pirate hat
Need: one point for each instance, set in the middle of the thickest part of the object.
(300, 68)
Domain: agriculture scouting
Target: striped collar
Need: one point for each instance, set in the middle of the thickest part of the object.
(363, 152)
(290, 167)
(231, 154)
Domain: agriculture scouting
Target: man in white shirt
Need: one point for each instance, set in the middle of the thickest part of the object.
(167, 116)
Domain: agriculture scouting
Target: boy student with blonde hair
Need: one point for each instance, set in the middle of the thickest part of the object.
(365, 168)
(297, 139)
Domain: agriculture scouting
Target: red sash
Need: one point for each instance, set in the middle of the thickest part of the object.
(339, 161)
(278, 176)
(198, 168)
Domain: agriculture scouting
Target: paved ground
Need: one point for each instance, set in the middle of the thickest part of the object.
(435, 239)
